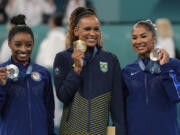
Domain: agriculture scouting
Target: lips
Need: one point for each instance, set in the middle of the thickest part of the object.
(140, 47)
(22, 55)
(91, 39)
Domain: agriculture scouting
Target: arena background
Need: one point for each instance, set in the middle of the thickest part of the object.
(118, 17)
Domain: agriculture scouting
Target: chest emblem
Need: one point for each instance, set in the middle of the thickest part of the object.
(36, 76)
(133, 73)
(103, 66)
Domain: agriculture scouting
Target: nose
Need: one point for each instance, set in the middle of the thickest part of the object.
(138, 41)
(23, 48)
(92, 32)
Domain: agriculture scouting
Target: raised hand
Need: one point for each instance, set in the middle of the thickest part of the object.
(3, 75)
(163, 56)
(78, 57)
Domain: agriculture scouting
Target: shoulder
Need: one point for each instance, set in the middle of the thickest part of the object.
(108, 55)
(131, 67)
(4, 64)
(66, 54)
(175, 63)
(174, 60)
(63, 59)
(40, 69)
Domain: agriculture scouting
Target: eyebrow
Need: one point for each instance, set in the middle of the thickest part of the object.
(20, 41)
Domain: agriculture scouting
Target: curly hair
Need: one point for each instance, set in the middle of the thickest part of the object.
(75, 17)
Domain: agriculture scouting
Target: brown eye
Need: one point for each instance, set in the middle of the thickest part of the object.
(17, 44)
(87, 28)
(96, 29)
(144, 36)
(28, 45)
(134, 37)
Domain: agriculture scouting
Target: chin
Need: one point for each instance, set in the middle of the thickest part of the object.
(23, 60)
(141, 52)
(91, 45)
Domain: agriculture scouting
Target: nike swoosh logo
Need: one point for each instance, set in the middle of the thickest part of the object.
(133, 73)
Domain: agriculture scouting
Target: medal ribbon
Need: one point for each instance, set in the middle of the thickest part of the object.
(22, 74)
(153, 66)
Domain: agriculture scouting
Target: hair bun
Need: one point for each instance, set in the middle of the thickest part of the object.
(18, 20)
(79, 10)
(150, 22)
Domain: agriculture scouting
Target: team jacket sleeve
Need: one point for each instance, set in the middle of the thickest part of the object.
(171, 79)
(118, 102)
(49, 104)
(3, 96)
(66, 80)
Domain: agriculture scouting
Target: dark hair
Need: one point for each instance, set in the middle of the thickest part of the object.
(20, 26)
(148, 23)
(82, 13)
(18, 20)
(76, 15)
(57, 19)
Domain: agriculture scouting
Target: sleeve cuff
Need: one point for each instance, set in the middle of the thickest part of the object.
(120, 130)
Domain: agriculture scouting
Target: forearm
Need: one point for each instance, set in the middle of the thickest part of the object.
(3, 95)
(171, 82)
(66, 89)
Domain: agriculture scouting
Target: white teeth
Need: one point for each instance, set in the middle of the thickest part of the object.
(22, 55)
(140, 46)
(91, 39)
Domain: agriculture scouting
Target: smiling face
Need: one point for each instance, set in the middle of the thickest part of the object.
(21, 46)
(142, 40)
(88, 30)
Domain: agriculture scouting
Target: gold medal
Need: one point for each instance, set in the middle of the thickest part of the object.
(12, 71)
(154, 55)
(80, 45)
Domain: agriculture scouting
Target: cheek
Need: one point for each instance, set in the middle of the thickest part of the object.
(132, 42)
(81, 35)
(98, 35)
(151, 44)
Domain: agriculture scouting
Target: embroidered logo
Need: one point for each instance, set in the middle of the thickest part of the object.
(104, 66)
(56, 71)
(36, 76)
(133, 73)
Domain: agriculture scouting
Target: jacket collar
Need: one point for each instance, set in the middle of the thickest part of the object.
(24, 67)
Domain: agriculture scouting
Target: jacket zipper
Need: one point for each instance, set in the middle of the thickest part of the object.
(89, 107)
(69, 111)
(29, 105)
(146, 90)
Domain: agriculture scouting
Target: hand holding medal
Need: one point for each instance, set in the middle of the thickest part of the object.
(160, 55)
(154, 55)
(78, 55)
(12, 71)
(3, 75)
(80, 45)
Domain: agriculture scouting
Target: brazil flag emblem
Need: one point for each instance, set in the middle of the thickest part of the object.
(104, 66)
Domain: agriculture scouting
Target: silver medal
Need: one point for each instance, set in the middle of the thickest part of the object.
(154, 55)
(12, 71)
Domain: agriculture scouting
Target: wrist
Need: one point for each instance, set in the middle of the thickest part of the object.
(77, 70)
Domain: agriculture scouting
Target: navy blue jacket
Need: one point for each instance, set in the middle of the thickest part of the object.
(151, 99)
(27, 103)
(87, 97)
